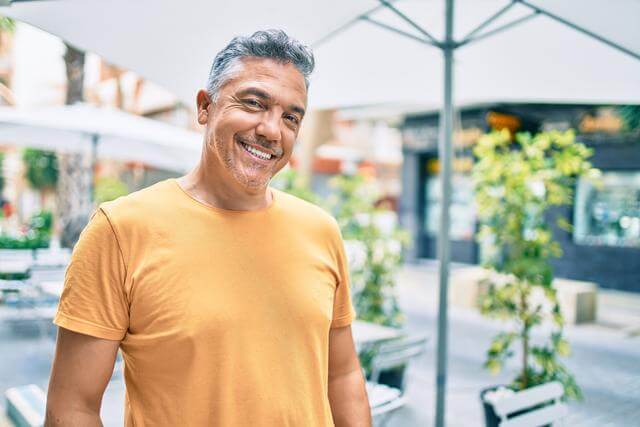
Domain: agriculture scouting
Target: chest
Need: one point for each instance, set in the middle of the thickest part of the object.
(212, 285)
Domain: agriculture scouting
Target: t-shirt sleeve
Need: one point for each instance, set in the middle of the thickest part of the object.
(93, 300)
(343, 311)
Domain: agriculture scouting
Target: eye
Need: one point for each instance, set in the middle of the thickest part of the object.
(252, 102)
(292, 119)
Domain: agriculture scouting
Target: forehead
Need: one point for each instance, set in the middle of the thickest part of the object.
(278, 78)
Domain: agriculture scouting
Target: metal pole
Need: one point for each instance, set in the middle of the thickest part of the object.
(444, 153)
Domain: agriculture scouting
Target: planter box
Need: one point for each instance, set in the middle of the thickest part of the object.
(577, 299)
(539, 405)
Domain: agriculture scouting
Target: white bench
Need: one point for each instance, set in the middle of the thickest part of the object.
(547, 395)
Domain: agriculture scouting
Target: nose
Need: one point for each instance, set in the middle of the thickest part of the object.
(269, 126)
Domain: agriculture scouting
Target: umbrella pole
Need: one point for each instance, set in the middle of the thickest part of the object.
(445, 154)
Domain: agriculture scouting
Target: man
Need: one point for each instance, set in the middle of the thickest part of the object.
(229, 299)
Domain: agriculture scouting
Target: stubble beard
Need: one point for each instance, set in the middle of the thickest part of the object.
(232, 164)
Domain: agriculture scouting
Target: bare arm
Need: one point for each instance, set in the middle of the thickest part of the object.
(81, 371)
(347, 391)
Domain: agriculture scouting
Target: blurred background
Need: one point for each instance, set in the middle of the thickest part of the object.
(544, 207)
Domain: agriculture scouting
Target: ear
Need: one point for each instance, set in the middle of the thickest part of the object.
(203, 101)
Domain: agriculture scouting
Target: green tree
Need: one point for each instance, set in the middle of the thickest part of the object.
(75, 173)
(108, 189)
(41, 168)
(292, 182)
(7, 24)
(515, 184)
(41, 171)
(375, 245)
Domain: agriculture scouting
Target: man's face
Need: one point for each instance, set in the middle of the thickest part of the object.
(253, 125)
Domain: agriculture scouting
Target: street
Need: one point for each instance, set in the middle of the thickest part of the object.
(605, 361)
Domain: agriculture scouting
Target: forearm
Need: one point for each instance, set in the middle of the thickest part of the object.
(70, 416)
(349, 401)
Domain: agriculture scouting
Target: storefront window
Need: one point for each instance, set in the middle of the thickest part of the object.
(609, 213)
(462, 209)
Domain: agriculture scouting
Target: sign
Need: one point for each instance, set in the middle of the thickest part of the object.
(499, 121)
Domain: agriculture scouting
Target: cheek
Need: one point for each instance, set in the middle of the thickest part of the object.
(232, 122)
(218, 142)
(289, 140)
(221, 138)
(287, 145)
(237, 120)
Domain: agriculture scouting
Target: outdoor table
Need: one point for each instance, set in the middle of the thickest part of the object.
(366, 333)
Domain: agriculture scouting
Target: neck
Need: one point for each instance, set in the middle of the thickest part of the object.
(209, 189)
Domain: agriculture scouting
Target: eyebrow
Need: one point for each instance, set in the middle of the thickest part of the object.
(266, 97)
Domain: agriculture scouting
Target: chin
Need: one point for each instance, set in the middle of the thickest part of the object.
(252, 184)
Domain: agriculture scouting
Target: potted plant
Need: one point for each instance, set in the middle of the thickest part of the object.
(516, 181)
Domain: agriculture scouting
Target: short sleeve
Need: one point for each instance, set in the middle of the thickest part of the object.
(343, 311)
(93, 300)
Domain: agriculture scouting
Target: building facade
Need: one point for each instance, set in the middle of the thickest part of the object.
(604, 245)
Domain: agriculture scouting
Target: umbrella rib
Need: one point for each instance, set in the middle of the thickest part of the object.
(409, 21)
(345, 26)
(580, 29)
(487, 22)
(504, 27)
(398, 31)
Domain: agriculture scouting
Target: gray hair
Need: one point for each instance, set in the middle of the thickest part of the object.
(272, 44)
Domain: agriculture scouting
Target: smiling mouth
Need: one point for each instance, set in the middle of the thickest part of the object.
(256, 152)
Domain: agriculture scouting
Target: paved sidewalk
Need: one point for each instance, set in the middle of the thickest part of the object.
(605, 360)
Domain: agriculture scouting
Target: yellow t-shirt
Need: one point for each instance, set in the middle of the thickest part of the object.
(223, 316)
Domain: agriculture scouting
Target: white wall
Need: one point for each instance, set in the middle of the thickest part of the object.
(39, 77)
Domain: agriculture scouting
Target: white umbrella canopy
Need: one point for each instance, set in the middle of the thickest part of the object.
(540, 60)
(119, 135)
(173, 43)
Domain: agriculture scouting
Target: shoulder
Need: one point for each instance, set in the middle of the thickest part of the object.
(139, 206)
(307, 216)
(293, 205)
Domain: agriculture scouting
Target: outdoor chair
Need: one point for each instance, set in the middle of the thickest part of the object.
(10, 286)
(26, 405)
(533, 407)
(15, 262)
(384, 400)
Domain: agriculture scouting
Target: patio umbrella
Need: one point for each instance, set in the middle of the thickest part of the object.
(581, 51)
(105, 132)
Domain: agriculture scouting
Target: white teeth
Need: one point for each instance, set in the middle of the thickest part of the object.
(256, 152)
